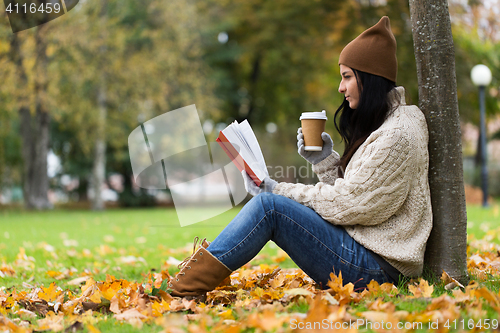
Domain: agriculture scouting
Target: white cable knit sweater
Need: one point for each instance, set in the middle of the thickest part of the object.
(383, 201)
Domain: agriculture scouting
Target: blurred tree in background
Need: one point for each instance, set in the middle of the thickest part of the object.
(112, 65)
(278, 59)
(476, 32)
(477, 41)
(25, 58)
(119, 64)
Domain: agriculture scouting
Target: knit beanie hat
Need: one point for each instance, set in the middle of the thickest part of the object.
(374, 51)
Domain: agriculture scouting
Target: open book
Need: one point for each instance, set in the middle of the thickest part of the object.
(241, 145)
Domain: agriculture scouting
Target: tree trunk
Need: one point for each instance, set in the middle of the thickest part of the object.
(35, 138)
(99, 167)
(433, 43)
(82, 189)
(254, 79)
(34, 127)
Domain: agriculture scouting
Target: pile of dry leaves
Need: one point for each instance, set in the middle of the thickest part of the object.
(263, 297)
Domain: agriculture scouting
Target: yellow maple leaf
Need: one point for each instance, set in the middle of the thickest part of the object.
(484, 293)
(92, 329)
(277, 281)
(54, 274)
(422, 289)
(110, 278)
(342, 293)
(335, 281)
(49, 294)
(109, 290)
(96, 296)
(157, 308)
(380, 305)
(228, 314)
(389, 288)
(89, 283)
(125, 284)
(373, 286)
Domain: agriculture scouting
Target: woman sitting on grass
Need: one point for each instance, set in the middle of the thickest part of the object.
(369, 217)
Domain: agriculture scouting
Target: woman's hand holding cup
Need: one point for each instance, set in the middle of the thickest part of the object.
(314, 143)
(314, 157)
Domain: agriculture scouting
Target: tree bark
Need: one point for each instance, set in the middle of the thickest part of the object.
(34, 127)
(99, 167)
(254, 79)
(35, 138)
(434, 52)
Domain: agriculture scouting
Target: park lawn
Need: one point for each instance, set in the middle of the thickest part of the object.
(482, 220)
(40, 248)
(127, 243)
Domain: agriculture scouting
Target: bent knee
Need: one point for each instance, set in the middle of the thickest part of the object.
(263, 199)
(269, 200)
(267, 196)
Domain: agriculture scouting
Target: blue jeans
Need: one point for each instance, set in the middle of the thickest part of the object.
(315, 245)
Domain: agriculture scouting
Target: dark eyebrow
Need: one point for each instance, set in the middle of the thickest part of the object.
(344, 73)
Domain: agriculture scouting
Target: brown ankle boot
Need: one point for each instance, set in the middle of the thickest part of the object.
(199, 273)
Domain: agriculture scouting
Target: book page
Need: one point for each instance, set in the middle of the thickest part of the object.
(253, 144)
(247, 146)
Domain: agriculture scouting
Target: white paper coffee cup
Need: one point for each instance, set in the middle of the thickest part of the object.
(313, 124)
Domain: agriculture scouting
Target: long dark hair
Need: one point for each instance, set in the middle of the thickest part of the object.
(356, 125)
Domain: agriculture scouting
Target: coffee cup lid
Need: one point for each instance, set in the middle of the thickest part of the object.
(313, 115)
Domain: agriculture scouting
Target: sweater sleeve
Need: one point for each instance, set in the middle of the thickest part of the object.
(327, 170)
(375, 185)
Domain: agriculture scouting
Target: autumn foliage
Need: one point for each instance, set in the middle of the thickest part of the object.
(264, 297)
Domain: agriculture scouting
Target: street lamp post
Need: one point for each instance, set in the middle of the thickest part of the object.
(481, 77)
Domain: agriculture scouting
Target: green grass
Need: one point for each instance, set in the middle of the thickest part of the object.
(481, 220)
(100, 241)
(90, 229)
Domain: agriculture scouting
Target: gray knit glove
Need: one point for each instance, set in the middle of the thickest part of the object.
(314, 157)
(267, 185)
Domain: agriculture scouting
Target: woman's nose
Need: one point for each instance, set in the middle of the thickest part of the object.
(341, 88)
